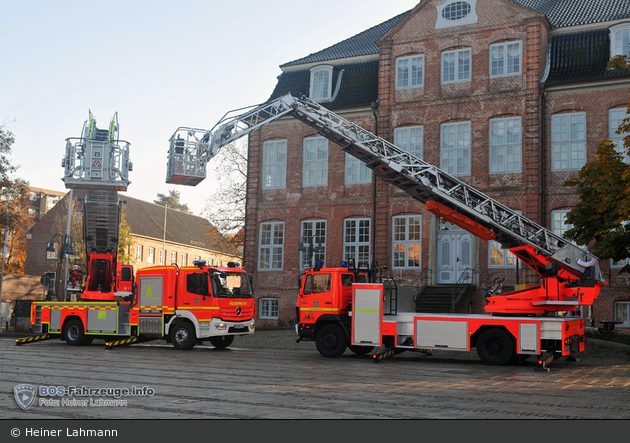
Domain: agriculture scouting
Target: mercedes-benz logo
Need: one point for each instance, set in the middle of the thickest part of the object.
(238, 311)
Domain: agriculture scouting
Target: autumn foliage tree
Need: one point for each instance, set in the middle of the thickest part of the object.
(14, 217)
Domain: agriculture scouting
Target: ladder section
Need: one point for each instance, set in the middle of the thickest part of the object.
(97, 159)
(101, 220)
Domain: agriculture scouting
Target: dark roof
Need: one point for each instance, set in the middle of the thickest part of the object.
(147, 219)
(580, 56)
(358, 84)
(563, 13)
(363, 43)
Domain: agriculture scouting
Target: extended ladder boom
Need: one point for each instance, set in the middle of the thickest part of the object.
(421, 180)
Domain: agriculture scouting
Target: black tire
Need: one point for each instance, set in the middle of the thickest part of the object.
(496, 347)
(222, 341)
(361, 350)
(73, 332)
(183, 336)
(331, 341)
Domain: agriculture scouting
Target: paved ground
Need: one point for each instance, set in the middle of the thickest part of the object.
(270, 376)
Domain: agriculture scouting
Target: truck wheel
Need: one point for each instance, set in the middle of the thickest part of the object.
(222, 342)
(183, 336)
(495, 347)
(361, 350)
(73, 333)
(331, 341)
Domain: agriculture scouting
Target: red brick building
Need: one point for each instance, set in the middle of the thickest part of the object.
(510, 96)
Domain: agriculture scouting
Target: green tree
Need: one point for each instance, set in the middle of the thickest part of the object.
(172, 201)
(603, 212)
(125, 242)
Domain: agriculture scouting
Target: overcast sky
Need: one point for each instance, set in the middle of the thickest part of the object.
(159, 65)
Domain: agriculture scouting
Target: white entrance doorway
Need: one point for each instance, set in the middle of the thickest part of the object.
(454, 253)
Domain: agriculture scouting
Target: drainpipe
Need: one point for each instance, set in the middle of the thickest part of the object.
(374, 106)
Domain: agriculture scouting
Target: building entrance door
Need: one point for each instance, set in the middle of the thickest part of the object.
(454, 253)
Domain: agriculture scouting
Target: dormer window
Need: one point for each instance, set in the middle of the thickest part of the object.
(321, 83)
(620, 39)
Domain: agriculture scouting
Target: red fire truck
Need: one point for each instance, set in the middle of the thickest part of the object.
(337, 309)
(182, 305)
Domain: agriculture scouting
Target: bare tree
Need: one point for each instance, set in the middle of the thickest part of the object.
(225, 208)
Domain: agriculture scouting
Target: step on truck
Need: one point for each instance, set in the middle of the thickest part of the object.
(544, 320)
(181, 305)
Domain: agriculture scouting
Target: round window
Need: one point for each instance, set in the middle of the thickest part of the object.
(456, 11)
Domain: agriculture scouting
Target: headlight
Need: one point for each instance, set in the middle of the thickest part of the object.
(220, 326)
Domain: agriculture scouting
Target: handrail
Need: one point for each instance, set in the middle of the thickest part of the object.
(423, 280)
(461, 282)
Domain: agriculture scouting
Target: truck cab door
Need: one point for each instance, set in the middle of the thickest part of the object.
(194, 295)
(316, 297)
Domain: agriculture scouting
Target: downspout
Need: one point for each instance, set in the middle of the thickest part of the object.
(374, 106)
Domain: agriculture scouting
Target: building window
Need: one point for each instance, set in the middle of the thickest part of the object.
(622, 314)
(33, 196)
(162, 257)
(568, 146)
(271, 253)
(313, 232)
(315, 161)
(455, 13)
(32, 212)
(410, 72)
(173, 258)
(620, 40)
(138, 252)
(410, 139)
(455, 152)
(268, 308)
(505, 144)
(357, 171)
(356, 241)
(615, 119)
(184, 260)
(275, 164)
(456, 66)
(321, 83)
(151, 255)
(619, 263)
(499, 256)
(210, 262)
(505, 59)
(407, 241)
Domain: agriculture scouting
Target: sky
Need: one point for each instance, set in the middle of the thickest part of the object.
(159, 65)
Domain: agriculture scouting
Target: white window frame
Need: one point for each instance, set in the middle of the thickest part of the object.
(183, 260)
(410, 72)
(151, 255)
(508, 260)
(356, 171)
(506, 139)
(502, 61)
(443, 22)
(455, 154)
(271, 246)
(139, 251)
(268, 307)
(459, 56)
(317, 92)
(162, 257)
(173, 257)
(410, 139)
(309, 228)
(568, 141)
(274, 174)
(406, 242)
(618, 34)
(357, 240)
(33, 196)
(315, 162)
(559, 225)
(615, 119)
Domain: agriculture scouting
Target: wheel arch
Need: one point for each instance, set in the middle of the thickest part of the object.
(484, 328)
(182, 316)
(330, 319)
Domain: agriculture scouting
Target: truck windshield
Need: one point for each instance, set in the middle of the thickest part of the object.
(231, 284)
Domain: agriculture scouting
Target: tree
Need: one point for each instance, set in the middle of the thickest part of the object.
(225, 208)
(125, 242)
(172, 201)
(14, 219)
(603, 212)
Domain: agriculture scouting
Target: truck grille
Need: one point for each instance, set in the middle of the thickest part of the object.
(229, 313)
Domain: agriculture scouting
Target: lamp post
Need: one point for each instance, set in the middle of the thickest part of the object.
(66, 250)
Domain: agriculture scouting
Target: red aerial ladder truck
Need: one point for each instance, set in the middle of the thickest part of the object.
(182, 305)
(338, 308)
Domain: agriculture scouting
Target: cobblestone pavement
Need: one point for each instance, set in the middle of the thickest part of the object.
(270, 376)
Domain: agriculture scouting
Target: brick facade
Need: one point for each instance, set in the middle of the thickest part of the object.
(536, 189)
